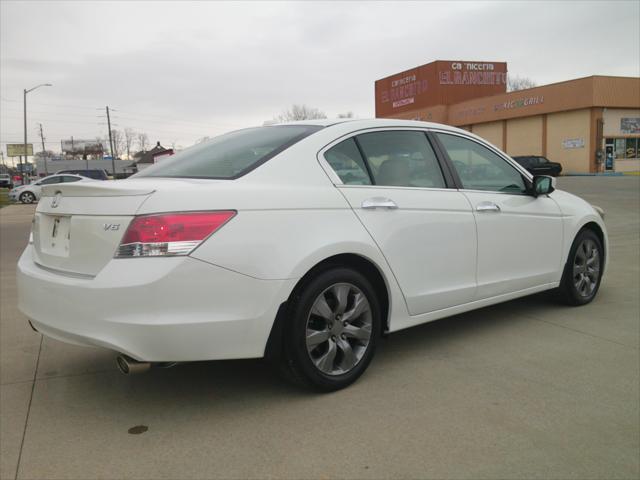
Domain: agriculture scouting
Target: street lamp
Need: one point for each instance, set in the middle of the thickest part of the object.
(25, 126)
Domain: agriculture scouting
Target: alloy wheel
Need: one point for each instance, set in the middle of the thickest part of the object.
(338, 329)
(28, 197)
(586, 268)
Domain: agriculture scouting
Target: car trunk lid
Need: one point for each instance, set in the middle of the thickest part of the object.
(78, 226)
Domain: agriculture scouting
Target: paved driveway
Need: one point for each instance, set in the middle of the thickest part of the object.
(526, 389)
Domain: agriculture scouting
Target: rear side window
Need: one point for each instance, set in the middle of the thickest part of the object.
(231, 155)
(401, 158)
(70, 179)
(346, 161)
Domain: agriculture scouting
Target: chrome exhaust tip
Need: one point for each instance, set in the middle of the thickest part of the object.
(129, 366)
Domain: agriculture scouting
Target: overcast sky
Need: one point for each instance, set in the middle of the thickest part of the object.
(181, 71)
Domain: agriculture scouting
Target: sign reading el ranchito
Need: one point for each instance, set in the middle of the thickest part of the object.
(404, 90)
(468, 73)
(438, 83)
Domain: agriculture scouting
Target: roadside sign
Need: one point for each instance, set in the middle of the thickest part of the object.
(17, 149)
(25, 167)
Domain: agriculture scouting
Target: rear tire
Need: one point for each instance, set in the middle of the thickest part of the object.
(583, 270)
(331, 331)
(27, 197)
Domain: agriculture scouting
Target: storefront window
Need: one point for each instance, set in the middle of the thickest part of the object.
(631, 150)
(620, 148)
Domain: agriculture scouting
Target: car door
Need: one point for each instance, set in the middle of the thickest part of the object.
(37, 187)
(519, 235)
(426, 230)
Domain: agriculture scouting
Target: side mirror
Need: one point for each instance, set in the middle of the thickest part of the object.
(543, 185)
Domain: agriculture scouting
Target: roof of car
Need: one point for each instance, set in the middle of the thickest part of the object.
(372, 123)
(60, 174)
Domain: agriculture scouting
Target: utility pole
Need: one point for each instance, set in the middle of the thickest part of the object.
(25, 140)
(25, 124)
(44, 153)
(113, 160)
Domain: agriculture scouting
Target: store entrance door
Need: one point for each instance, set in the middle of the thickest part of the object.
(608, 157)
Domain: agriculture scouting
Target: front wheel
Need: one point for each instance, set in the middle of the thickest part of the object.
(332, 330)
(27, 197)
(583, 270)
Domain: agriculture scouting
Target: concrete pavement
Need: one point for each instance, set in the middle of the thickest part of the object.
(525, 389)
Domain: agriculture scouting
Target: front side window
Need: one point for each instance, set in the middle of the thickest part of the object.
(479, 168)
(50, 181)
(402, 159)
(231, 155)
(346, 161)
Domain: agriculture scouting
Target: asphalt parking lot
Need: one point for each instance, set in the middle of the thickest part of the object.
(525, 389)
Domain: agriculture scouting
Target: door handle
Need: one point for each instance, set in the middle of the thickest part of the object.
(379, 202)
(487, 207)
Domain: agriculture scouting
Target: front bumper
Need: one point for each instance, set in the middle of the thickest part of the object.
(154, 309)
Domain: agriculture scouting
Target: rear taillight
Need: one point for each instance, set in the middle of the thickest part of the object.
(169, 234)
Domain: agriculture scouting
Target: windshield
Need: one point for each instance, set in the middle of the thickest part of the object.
(231, 155)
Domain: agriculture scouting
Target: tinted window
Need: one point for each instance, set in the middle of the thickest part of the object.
(479, 168)
(230, 155)
(50, 180)
(346, 161)
(401, 158)
(95, 174)
(69, 179)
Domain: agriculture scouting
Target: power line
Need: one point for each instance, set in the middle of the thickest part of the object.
(51, 104)
(139, 115)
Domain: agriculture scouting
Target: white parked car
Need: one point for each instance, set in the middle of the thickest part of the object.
(32, 192)
(5, 180)
(304, 242)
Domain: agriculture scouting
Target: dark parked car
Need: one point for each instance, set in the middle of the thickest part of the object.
(96, 174)
(539, 165)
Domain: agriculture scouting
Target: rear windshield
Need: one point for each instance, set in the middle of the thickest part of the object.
(231, 155)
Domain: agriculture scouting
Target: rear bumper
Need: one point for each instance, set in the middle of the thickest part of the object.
(154, 309)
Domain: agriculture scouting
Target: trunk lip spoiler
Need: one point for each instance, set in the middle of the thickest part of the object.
(93, 190)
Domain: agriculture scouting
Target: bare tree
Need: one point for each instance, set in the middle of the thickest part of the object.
(300, 112)
(143, 141)
(104, 143)
(129, 136)
(348, 114)
(118, 142)
(515, 82)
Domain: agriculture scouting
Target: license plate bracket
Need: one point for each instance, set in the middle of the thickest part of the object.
(55, 235)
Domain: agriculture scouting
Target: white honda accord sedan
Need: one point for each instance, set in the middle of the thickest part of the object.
(301, 242)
